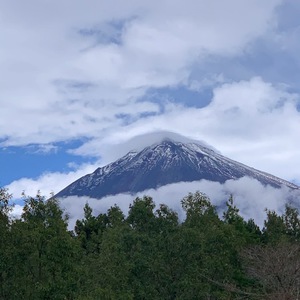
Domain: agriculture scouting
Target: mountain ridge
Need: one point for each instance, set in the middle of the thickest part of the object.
(163, 163)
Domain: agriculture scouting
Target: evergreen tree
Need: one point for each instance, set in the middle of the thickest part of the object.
(292, 222)
(274, 229)
(246, 232)
(90, 229)
(141, 215)
(44, 253)
(5, 243)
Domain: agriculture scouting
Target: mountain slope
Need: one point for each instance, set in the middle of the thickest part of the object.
(161, 164)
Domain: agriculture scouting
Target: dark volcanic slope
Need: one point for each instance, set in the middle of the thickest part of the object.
(161, 164)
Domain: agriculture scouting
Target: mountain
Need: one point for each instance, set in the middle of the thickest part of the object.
(164, 163)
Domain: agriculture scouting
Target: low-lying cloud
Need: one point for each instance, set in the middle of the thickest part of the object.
(250, 196)
(48, 182)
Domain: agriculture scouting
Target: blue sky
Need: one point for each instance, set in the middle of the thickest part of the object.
(81, 83)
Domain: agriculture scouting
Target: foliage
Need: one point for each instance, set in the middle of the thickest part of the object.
(148, 254)
(5, 243)
(43, 254)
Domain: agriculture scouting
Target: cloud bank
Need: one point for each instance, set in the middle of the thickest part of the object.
(250, 196)
(88, 68)
(48, 183)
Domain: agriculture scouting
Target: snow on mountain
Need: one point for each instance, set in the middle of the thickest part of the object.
(161, 164)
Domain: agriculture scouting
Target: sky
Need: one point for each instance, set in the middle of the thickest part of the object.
(81, 82)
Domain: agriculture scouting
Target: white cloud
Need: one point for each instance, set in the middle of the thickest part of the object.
(159, 41)
(121, 143)
(262, 133)
(48, 183)
(16, 211)
(253, 122)
(250, 196)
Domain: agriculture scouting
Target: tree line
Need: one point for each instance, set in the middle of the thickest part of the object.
(148, 254)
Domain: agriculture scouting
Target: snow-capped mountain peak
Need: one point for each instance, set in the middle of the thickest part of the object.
(163, 163)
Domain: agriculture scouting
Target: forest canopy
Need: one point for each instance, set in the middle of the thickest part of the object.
(149, 253)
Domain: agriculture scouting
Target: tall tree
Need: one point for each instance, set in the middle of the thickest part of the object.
(90, 229)
(199, 210)
(274, 229)
(292, 222)
(141, 215)
(44, 252)
(245, 231)
(208, 253)
(5, 243)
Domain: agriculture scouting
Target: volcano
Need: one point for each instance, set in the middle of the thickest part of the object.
(161, 164)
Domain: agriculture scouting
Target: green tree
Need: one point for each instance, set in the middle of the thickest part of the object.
(199, 210)
(246, 232)
(90, 229)
(292, 222)
(44, 253)
(274, 229)
(115, 217)
(5, 207)
(107, 273)
(208, 254)
(141, 215)
(231, 215)
(5, 244)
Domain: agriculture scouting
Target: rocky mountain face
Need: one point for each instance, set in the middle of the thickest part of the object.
(161, 164)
